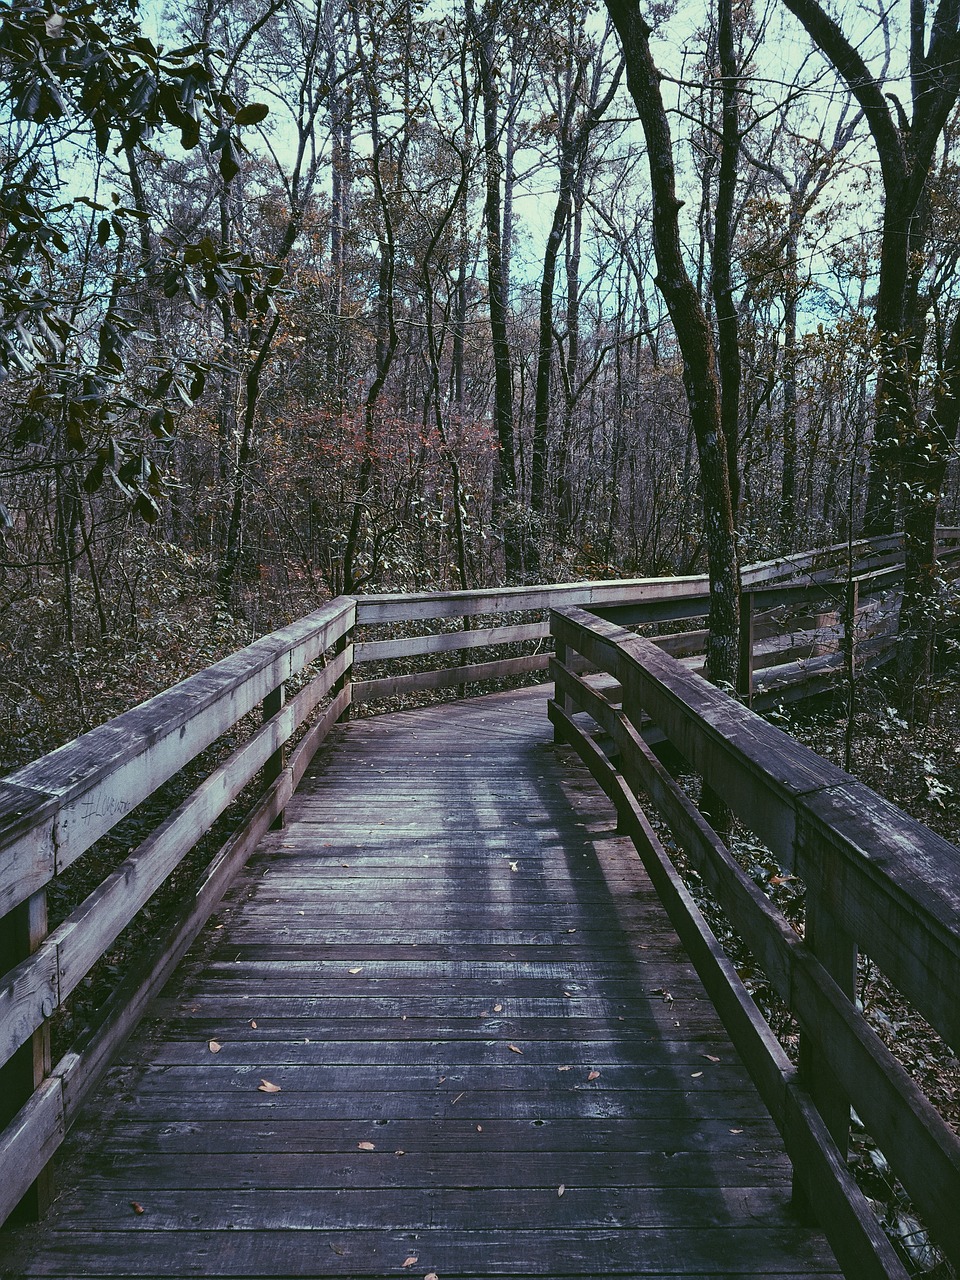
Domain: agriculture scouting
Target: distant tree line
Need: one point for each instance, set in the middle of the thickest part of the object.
(335, 295)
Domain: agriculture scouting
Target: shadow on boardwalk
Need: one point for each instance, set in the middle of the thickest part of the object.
(490, 1055)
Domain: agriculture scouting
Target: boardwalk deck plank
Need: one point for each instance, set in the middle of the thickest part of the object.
(487, 903)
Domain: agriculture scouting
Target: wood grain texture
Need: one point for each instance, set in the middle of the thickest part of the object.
(390, 1014)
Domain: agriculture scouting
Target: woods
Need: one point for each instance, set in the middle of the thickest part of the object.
(309, 297)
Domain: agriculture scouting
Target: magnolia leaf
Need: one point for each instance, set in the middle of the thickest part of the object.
(266, 1087)
(561, 1189)
(136, 1206)
(252, 113)
(593, 1075)
(214, 1046)
(513, 1048)
(366, 1146)
(358, 969)
(411, 1260)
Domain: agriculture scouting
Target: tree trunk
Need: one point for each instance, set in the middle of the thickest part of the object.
(695, 340)
(505, 470)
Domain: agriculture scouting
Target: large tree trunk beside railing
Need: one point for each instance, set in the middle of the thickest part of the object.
(694, 337)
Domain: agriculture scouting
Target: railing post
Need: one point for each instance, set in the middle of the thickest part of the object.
(274, 766)
(837, 952)
(745, 654)
(21, 933)
(851, 604)
(338, 648)
(563, 701)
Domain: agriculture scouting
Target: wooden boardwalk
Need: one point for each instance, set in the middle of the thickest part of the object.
(492, 1057)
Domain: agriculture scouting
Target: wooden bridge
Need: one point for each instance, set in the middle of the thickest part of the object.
(444, 1021)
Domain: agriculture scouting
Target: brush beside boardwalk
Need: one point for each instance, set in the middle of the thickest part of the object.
(437, 920)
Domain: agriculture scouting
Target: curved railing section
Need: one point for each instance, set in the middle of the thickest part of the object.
(876, 882)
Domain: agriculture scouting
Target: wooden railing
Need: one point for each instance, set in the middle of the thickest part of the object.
(876, 883)
(53, 812)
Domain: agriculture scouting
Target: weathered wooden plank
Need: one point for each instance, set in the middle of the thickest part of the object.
(448, 642)
(602, 1141)
(586, 1052)
(447, 677)
(440, 1208)
(714, 1251)
(460, 604)
(424, 1168)
(478, 1105)
(28, 1143)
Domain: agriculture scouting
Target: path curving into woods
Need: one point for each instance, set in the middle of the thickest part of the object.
(487, 1054)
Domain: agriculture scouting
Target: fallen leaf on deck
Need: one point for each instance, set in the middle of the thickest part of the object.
(399, 1152)
(254, 1025)
(709, 1057)
(593, 1075)
(409, 1262)
(357, 970)
(695, 1075)
(366, 1146)
(514, 866)
(513, 1048)
(564, 1068)
(736, 1131)
(479, 1128)
(266, 1087)
(137, 1208)
(431, 1275)
(561, 1189)
(214, 1046)
(498, 1008)
(571, 931)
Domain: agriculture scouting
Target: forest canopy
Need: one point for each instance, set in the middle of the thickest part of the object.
(301, 297)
